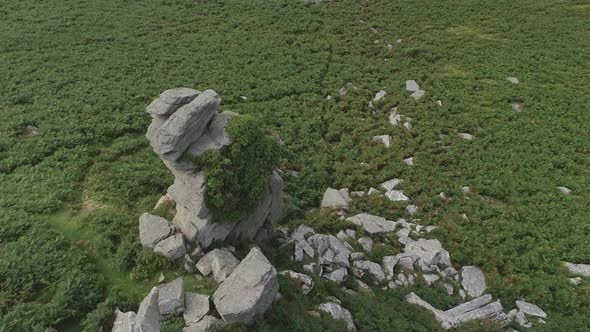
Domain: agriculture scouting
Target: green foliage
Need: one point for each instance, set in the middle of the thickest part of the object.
(238, 177)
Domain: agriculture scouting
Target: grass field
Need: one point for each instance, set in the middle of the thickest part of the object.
(84, 71)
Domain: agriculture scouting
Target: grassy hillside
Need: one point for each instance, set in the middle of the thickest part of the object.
(83, 72)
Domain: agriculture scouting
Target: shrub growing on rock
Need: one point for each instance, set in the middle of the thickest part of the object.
(238, 176)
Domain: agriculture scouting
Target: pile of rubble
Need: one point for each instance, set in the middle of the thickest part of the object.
(247, 289)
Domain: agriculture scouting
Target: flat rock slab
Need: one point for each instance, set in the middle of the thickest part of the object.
(372, 224)
(530, 309)
(473, 281)
(335, 199)
(171, 100)
(196, 306)
(171, 297)
(249, 291)
(124, 321)
(412, 86)
(580, 269)
(218, 262)
(153, 229)
(392, 184)
(148, 314)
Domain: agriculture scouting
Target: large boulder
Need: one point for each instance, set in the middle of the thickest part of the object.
(185, 126)
(172, 247)
(249, 291)
(196, 306)
(171, 297)
(218, 262)
(207, 324)
(335, 199)
(153, 229)
(148, 314)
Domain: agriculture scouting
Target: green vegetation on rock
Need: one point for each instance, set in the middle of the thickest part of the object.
(238, 177)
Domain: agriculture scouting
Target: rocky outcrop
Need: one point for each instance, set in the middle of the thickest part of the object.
(249, 291)
(171, 297)
(196, 307)
(185, 124)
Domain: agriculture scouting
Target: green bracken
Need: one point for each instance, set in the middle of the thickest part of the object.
(237, 177)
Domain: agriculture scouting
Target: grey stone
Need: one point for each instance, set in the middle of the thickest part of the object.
(408, 123)
(148, 314)
(564, 190)
(470, 305)
(372, 268)
(492, 311)
(396, 196)
(124, 322)
(575, 281)
(196, 307)
(171, 100)
(31, 130)
(372, 224)
(379, 96)
(305, 282)
(372, 191)
(407, 260)
(171, 247)
(152, 229)
(394, 118)
(430, 278)
(392, 184)
(207, 324)
(338, 276)
(249, 291)
(429, 251)
(355, 256)
(412, 86)
(351, 233)
(330, 250)
(303, 248)
(580, 269)
(409, 161)
(389, 262)
(333, 199)
(301, 231)
(466, 136)
(366, 242)
(473, 281)
(522, 321)
(164, 201)
(512, 80)
(530, 309)
(412, 209)
(417, 95)
(171, 297)
(385, 139)
(338, 313)
(450, 290)
(517, 106)
(218, 262)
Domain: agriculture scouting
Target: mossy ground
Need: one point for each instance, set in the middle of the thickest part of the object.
(83, 73)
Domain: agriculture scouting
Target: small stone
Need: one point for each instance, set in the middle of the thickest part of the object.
(409, 161)
(392, 184)
(430, 278)
(351, 233)
(305, 282)
(161, 278)
(367, 243)
(355, 256)
(581, 269)
(379, 96)
(372, 268)
(530, 309)
(124, 322)
(418, 94)
(412, 209)
(466, 136)
(31, 130)
(408, 123)
(412, 86)
(372, 224)
(394, 118)
(338, 276)
(439, 103)
(385, 139)
(357, 194)
(338, 313)
(396, 196)
(564, 190)
(450, 290)
(512, 80)
(517, 106)
(576, 281)
(466, 190)
(373, 191)
(334, 199)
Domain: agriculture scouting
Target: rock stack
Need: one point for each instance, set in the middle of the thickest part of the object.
(185, 124)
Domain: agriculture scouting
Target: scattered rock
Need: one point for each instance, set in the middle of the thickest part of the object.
(512, 80)
(372, 191)
(31, 130)
(338, 276)
(379, 96)
(581, 269)
(301, 231)
(207, 324)
(153, 229)
(329, 250)
(218, 262)
(564, 190)
(148, 314)
(249, 291)
(412, 209)
(408, 123)
(372, 224)
(305, 282)
(430, 278)
(367, 243)
(338, 313)
(473, 281)
(429, 252)
(409, 161)
(196, 307)
(517, 106)
(171, 297)
(335, 199)
(394, 118)
(530, 309)
(355, 256)
(372, 268)
(392, 184)
(171, 247)
(466, 136)
(576, 281)
(418, 94)
(396, 196)
(412, 86)
(124, 322)
(385, 139)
